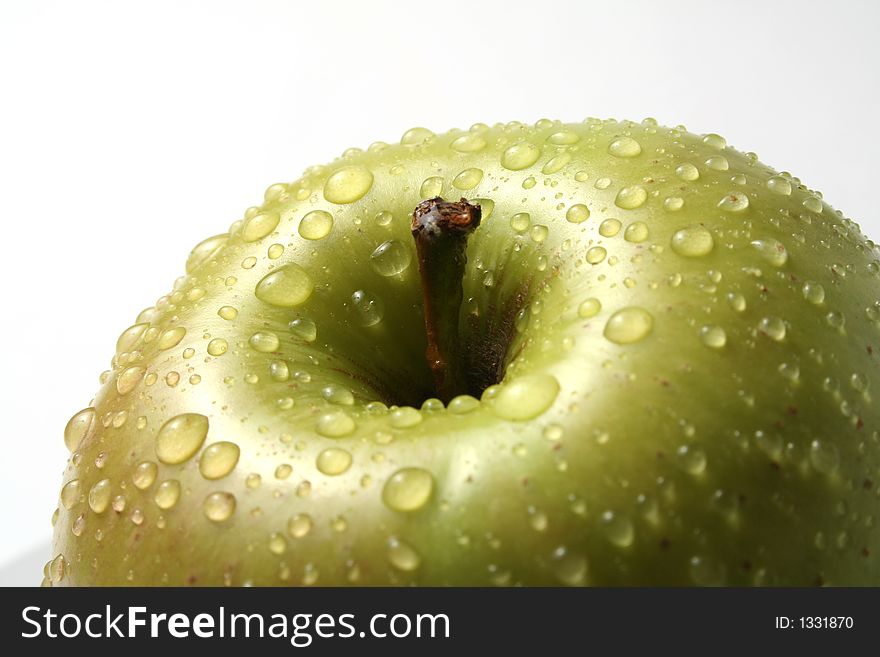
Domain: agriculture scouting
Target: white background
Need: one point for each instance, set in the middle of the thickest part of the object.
(131, 130)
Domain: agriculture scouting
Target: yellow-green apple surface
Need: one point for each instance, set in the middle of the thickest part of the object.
(651, 359)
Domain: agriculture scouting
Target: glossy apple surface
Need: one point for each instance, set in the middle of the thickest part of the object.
(685, 341)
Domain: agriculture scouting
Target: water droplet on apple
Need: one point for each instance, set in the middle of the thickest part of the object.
(520, 222)
(577, 213)
(629, 325)
(717, 163)
(286, 287)
(618, 529)
(408, 489)
(687, 172)
(167, 494)
(779, 185)
(333, 461)
(336, 394)
(596, 254)
(99, 496)
(773, 251)
(299, 525)
(416, 136)
(570, 568)
(589, 308)
(525, 397)
(468, 179)
(264, 341)
(713, 336)
(733, 202)
(813, 204)
(824, 456)
(636, 232)
(219, 506)
(70, 494)
(218, 459)
(403, 556)
(144, 475)
(369, 309)
(691, 460)
(228, 313)
(564, 138)
(693, 242)
(181, 437)
(463, 404)
(431, 187)
(390, 258)
(404, 417)
(335, 424)
(520, 156)
(813, 292)
(609, 228)
(315, 225)
(468, 143)
(171, 337)
(773, 328)
(348, 184)
(259, 225)
(624, 147)
(304, 328)
(217, 347)
(632, 197)
(78, 428)
(736, 301)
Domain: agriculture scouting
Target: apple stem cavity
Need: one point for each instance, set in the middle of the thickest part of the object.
(440, 229)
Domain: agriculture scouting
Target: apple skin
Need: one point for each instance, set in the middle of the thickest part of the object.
(709, 421)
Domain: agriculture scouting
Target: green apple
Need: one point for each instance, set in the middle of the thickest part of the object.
(661, 359)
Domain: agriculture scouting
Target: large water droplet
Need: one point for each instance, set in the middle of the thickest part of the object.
(316, 225)
(589, 308)
(264, 341)
(468, 143)
(631, 197)
(773, 251)
(259, 225)
(408, 489)
(218, 459)
(624, 147)
(99, 496)
(468, 179)
(618, 529)
(219, 506)
(779, 185)
(167, 494)
(390, 258)
(287, 286)
(577, 213)
(520, 156)
(525, 397)
(333, 461)
(733, 202)
(144, 475)
(369, 309)
(693, 242)
(304, 329)
(773, 328)
(78, 428)
(335, 424)
(636, 232)
(348, 184)
(181, 437)
(299, 525)
(404, 417)
(713, 336)
(813, 292)
(629, 325)
(171, 337)
(431, 187)
(403, 556)
(687, 172)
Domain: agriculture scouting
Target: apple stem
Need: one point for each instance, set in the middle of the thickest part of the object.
(440, 229)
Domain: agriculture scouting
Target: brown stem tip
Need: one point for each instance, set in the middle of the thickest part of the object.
(440, 229)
